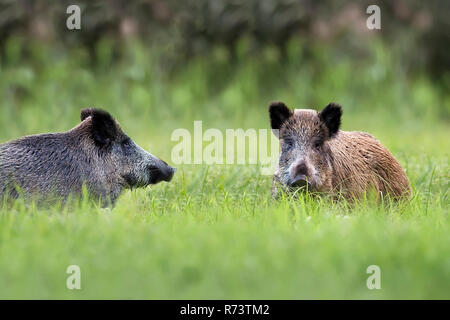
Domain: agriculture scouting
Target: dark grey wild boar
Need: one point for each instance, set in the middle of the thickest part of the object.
(96, 154)
(316, 155)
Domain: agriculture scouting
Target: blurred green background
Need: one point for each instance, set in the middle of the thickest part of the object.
(215, 232)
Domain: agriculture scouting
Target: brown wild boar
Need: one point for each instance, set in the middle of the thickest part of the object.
(317, 156)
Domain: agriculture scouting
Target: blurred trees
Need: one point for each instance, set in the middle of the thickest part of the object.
(193, 27)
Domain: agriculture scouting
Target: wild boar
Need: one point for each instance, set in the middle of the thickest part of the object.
(318, 156)
(96, 154)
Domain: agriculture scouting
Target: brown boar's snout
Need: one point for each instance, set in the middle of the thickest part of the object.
(299, 175)
(161, 172)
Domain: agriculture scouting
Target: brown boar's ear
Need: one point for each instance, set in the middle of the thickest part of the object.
(279, 113)
(104, 127)
(331, 117)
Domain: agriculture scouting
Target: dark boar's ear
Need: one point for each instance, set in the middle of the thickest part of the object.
(279, 113)
(86, 113)
(331, 117)
(104, 127)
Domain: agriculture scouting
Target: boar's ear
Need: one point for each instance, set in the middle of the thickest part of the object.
(331, 117)
(104, 127)
(279, 113)
(86, 113)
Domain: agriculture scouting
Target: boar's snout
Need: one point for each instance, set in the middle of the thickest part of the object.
(299, 175)
(161, 171)
(298, 181)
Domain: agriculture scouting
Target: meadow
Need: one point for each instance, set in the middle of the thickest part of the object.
(215, 232)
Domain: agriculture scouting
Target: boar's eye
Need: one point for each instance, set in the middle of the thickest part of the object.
(288, 143)
(318, 145)
(126, 142)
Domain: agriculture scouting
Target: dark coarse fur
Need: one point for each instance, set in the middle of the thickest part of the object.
(96, 154)
(316, 155)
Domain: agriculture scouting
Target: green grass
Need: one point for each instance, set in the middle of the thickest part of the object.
(215, 232)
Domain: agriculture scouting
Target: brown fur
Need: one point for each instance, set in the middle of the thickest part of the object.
(360, 163)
